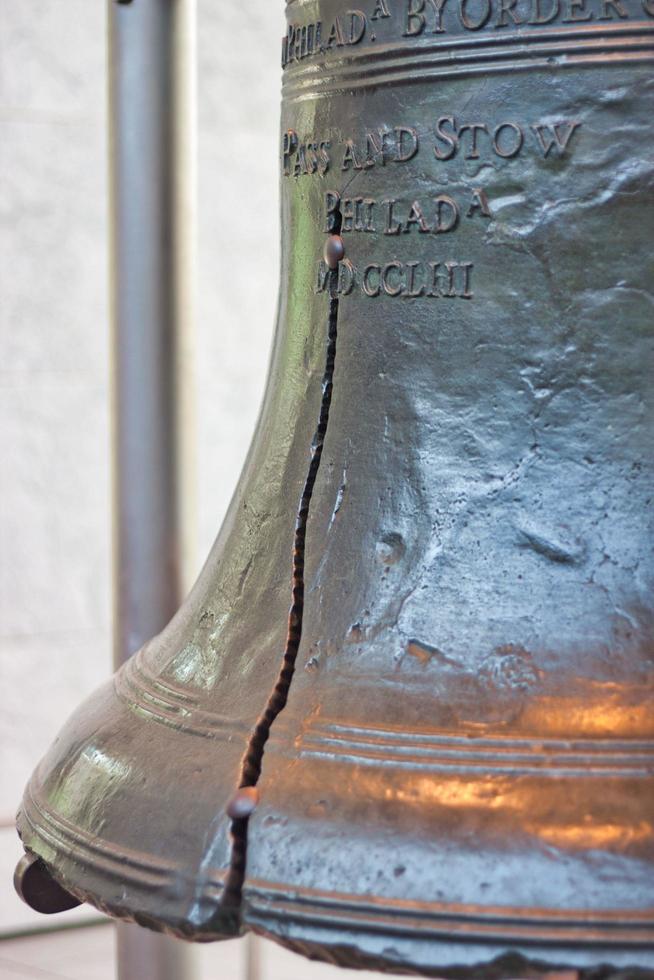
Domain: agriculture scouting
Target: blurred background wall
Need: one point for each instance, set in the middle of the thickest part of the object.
(55, 630)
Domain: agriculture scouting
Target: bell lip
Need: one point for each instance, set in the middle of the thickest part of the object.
(503, 966)
(60, 858)
(307, 921)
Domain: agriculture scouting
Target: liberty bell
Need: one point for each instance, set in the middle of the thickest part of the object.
(404, 720)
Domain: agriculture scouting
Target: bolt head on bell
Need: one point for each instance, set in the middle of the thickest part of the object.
(243, 803)
(334, 251)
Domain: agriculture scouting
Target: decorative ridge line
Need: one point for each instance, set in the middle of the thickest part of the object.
(146, 874)
(136, 667)
(274, 891)
(471, 61)
(464, 70)
(551, 768)
(149, 697)
(586, 743)
(134, 677)
(432, 920)
(553, 757)
(407, 51)
(61, 834)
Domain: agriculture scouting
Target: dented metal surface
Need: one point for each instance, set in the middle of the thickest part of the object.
(456, 776)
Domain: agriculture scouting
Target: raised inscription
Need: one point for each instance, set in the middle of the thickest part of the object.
(392, 216)
(388, 20)
(451, 136)
(401, 280)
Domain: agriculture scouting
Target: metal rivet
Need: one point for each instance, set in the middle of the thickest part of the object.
(243, 803)
(334, 251)
(38, 889)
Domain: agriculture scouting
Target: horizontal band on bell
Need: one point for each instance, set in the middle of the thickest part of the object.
(556, 757)
(55, 839)
(123, 864)
(153, 698)
(395, 63)
(334, 911)
(421, 751)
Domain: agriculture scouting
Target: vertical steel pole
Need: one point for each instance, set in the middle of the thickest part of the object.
(152, 153)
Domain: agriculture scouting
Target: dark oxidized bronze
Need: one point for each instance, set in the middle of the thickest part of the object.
(451, 735)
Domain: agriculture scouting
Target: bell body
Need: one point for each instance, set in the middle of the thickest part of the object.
(456, 775)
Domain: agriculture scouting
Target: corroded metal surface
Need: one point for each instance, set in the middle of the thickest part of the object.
(451, 735)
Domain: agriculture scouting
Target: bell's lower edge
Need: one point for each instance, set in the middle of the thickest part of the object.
(77, 872)
(446, 958)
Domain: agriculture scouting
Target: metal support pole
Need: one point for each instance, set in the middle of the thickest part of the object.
(152, 153)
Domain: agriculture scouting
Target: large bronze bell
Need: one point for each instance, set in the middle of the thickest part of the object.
(442, 760)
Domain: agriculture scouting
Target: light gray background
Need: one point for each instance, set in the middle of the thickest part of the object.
(54, 371)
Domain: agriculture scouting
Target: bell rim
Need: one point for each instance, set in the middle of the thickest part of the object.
(307, 921)
(63, 847)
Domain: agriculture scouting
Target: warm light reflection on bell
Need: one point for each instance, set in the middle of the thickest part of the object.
(404, 720)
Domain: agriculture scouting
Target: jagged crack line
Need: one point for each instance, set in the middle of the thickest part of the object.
(253, 760)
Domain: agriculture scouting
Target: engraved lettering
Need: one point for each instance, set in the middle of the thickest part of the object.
(304, 158)
(417, 218)
(399, 145)
(467, 268)
(435, 291)
(479, 204)
(391, 225)
(366, 211)
(451, 141)
(450, 280)
(350, 158)
(406, 143)
(438, 16)
(408, 280)
(513, 148)
(385, 276)
(347, 212)
(323, 157)
(577, 12)
(359, 214)
(289, 146)
(411, 291)
(447, 214)
(335, 38)
(415, 19)
(366, 285)
(558, 135)
(357, 28)
(346, 277)
(616, 8)
(381, 10)
(451, 269)
(332, 202)
(540, 16)
(507, 10)
(375, 149)
(299, 167)
(483, 16)
(474, 128)
(506, 140)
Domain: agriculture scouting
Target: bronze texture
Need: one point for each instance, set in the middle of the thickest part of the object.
(441, 760)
